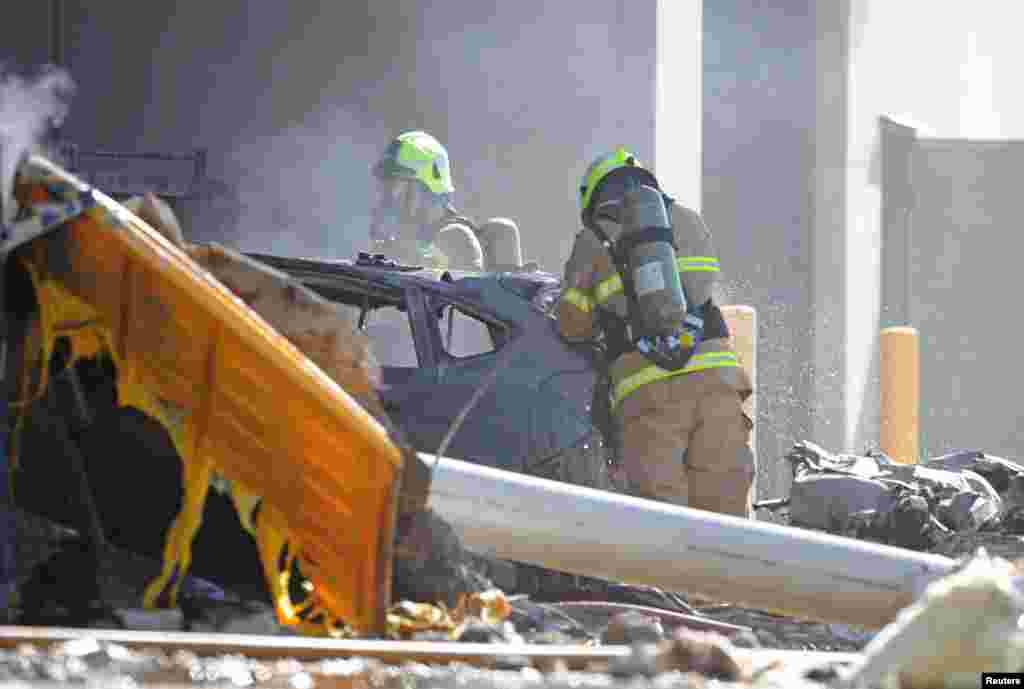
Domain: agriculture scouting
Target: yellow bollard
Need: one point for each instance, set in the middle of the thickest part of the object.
(742, 322)
(899, 373)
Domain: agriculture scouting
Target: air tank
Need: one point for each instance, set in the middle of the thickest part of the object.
(647, 241)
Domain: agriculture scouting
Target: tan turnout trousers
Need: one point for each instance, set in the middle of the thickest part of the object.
(684, 440)
(683, 434)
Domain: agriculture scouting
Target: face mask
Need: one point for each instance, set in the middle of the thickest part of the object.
(390, 214)
(386, 223)
(405, 210)
(608, 211)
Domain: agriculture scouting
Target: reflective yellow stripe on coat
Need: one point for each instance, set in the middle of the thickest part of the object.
(652, 373)
(578, 298)
(612, 285)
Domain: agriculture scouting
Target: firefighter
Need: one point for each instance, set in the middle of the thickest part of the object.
(414, 220)
(639, 280)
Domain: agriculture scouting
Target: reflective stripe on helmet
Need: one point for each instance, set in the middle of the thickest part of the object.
(652, 373)
(578, 299)
(612, 285)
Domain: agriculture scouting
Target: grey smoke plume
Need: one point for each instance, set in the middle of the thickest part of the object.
(29, 105)
(306, 190)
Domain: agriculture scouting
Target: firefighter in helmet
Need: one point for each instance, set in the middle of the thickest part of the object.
(639, 281)
(415, 222)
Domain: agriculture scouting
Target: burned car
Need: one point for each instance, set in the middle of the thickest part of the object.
(440, 336)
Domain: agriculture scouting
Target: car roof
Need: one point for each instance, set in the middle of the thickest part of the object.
(397, 276)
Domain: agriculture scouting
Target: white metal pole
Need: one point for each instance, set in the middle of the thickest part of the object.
(607, 535)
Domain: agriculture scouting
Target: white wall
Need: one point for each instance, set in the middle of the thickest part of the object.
(678, 99)
(946, 68)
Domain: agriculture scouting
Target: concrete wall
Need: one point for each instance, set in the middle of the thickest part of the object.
(759, 129)
(294, 101)
(26, 42)
(965, 248)
(945, 68)
(825, 394)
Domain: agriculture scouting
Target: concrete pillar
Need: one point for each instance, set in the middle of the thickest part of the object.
(678, 104)
(827, 396)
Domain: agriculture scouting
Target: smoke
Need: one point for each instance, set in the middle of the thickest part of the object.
(29, 106)
(306, 190)
(759, 105)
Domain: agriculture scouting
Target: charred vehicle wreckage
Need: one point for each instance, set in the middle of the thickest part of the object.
(438, 334)
(948, 504)
(107, 420)
(482, 348)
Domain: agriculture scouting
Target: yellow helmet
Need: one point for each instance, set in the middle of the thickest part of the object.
(417, 155)
(603, 166)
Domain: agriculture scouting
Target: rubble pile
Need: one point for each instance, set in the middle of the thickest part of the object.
(777, 631)
(682, 662)
(950, 504)
(963, 625)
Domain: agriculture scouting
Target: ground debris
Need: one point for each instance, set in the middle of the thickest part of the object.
(706, 653)
(788, 633)
(947, 505)
(683, 662)
(479, 617)
(950, 505)
(632, 628)
(964, 624)
(431, 565)
(873, 498)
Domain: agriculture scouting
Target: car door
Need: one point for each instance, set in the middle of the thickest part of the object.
(470, 345)
(404, 353)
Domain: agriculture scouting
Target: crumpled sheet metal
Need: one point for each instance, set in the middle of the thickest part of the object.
(964, 624)
(1005, 476)
(407, 618)
(871, 496)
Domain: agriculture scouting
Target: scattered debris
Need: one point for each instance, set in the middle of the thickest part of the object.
(488, 609)
(1006, 477)
(672, 666)
(873, 498)
(964, 624)
(776, 631)
(633, 628)
(706, 653)
(1005, 545)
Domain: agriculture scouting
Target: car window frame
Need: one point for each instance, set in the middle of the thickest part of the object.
(361, 287)
(416, 308)
(475, 311)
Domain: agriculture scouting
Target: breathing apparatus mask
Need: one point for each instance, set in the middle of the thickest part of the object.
(404, 209)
